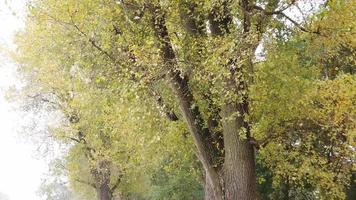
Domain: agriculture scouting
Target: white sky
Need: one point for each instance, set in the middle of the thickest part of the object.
(20, 171)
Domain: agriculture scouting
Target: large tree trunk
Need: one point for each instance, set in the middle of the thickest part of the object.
(239, 170)
(103, 191)
(239, 166)
(101, 175)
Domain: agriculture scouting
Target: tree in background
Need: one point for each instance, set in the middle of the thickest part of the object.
(54, 185)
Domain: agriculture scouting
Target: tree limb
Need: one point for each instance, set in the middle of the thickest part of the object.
(245, 5)
(281, 13)
(116, 185)
(179, 85)
(168, 112)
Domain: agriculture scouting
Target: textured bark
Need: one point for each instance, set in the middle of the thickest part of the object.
(103, 191)
(101, 175)
(239, 163)
(239, 166)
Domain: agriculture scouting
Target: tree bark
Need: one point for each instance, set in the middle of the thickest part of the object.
(101, 174)
(239, 166)
(103, 191)
(239, 175)
(208, 190)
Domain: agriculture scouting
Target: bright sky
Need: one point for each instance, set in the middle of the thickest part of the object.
(20, 171)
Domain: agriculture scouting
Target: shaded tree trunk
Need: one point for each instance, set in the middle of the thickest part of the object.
(103, 191)
(101, 175)
(239, 166)
(239, 170)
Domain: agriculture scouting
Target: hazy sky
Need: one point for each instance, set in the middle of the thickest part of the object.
(20, 171)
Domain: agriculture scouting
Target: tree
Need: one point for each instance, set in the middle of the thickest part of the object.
(295, 106)
(111, 136)
(201, 75)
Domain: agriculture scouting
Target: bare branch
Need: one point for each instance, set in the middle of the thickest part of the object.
(281, 13)
(92, 41)
(74, 139)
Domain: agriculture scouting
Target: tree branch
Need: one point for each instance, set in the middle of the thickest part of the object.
(245, 5)
(92, 41)
(281, 13)
(116, 185)
(292, 2)
(170, 114)
(74, 139)
(180, 87)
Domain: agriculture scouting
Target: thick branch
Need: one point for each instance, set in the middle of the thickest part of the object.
(179, 85)
(245, 5)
